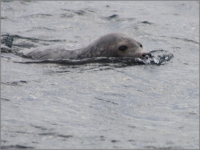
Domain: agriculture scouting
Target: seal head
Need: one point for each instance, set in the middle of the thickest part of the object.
(113, 45)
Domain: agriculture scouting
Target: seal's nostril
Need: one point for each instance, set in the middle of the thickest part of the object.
(143, 55)
(146, 55)
(150, 55)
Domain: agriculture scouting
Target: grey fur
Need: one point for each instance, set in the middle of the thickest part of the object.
(106, 46)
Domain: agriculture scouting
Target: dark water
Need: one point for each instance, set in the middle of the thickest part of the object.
(101, 105)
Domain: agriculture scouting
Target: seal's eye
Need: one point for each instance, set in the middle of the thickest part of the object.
(123, 48)
(141, 45)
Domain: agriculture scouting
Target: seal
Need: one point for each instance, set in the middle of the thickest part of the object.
(109, 45)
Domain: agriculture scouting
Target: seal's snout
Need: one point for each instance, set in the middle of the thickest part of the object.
(147, 55)
(143, 54)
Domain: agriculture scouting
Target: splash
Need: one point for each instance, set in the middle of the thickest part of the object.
(157, 59)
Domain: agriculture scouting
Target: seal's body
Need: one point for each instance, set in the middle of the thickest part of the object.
(110, 45)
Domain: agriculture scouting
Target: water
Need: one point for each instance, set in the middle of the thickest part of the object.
(101, 105)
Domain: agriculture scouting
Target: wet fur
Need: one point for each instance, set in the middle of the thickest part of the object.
(106, 46)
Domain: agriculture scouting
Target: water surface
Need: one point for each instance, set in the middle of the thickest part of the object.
(100, 105)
